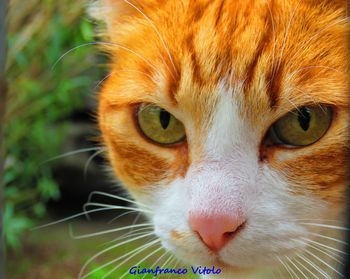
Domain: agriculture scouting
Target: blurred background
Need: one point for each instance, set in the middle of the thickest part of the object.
(53, 159)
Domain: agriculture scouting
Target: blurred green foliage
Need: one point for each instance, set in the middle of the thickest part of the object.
(41, 97)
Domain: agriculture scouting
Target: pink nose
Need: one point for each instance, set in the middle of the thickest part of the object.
(217, 230)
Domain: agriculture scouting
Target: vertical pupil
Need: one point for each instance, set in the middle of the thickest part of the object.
(304, 118)
(164, 118)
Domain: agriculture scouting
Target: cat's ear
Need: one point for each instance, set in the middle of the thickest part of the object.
(113, 12)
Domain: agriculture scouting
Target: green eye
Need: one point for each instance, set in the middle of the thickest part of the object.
(303, 126)
(159, 125)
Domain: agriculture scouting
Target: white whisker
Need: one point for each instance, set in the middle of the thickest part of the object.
(169, 260)
(109, 207)
(171, 263)
(314, 266)
(312, 246)
(292, 271)
(158, 34)
(297, 268)
(308, 270)
(329, 238)
(157, 261)
(71, 153)
(102, 80)
(323, 220)
(137, 218)
(71, 50)
(96, 204)
(114, 197)
(133, 254)
(322, 261)
(315, 36)
(71, 217)
(290, 101)
(285, 37)
(307, 94)
(128, 235)
(86, 166)
(325, 246)
(122, 70)
(326, 226)
(142, 260)
(108, 44)
(121, 215)
(325, 250)
(312, 67)
(274, 37)
(285, 266)
(108, 231)
(108, 249)
(137, 71)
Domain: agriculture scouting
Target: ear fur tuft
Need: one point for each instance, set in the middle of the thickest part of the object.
(110, 11)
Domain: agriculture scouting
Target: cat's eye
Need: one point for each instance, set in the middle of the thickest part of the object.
(303, 126)
(159, 125)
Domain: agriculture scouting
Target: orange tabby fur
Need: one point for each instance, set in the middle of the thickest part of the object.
(175, 53)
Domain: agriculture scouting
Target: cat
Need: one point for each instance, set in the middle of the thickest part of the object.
(228, 119)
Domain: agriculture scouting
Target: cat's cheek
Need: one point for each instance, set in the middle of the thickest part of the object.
(138, 163)
(319, 170)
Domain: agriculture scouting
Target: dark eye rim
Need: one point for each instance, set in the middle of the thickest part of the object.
(267, 141)
(136, 109)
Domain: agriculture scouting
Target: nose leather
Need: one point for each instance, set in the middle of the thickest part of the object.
(216, 230)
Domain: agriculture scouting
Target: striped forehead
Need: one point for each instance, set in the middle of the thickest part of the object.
(255, 48)
(210, 70)
(207, 60)
(261, 43)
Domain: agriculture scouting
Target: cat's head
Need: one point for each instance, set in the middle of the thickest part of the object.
(229, 120)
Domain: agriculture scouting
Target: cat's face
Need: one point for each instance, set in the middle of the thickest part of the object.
(236, 171)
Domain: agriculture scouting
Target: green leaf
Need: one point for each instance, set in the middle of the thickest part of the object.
(48, 188)
(87, 31)
(39, 210)
(14, 226)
